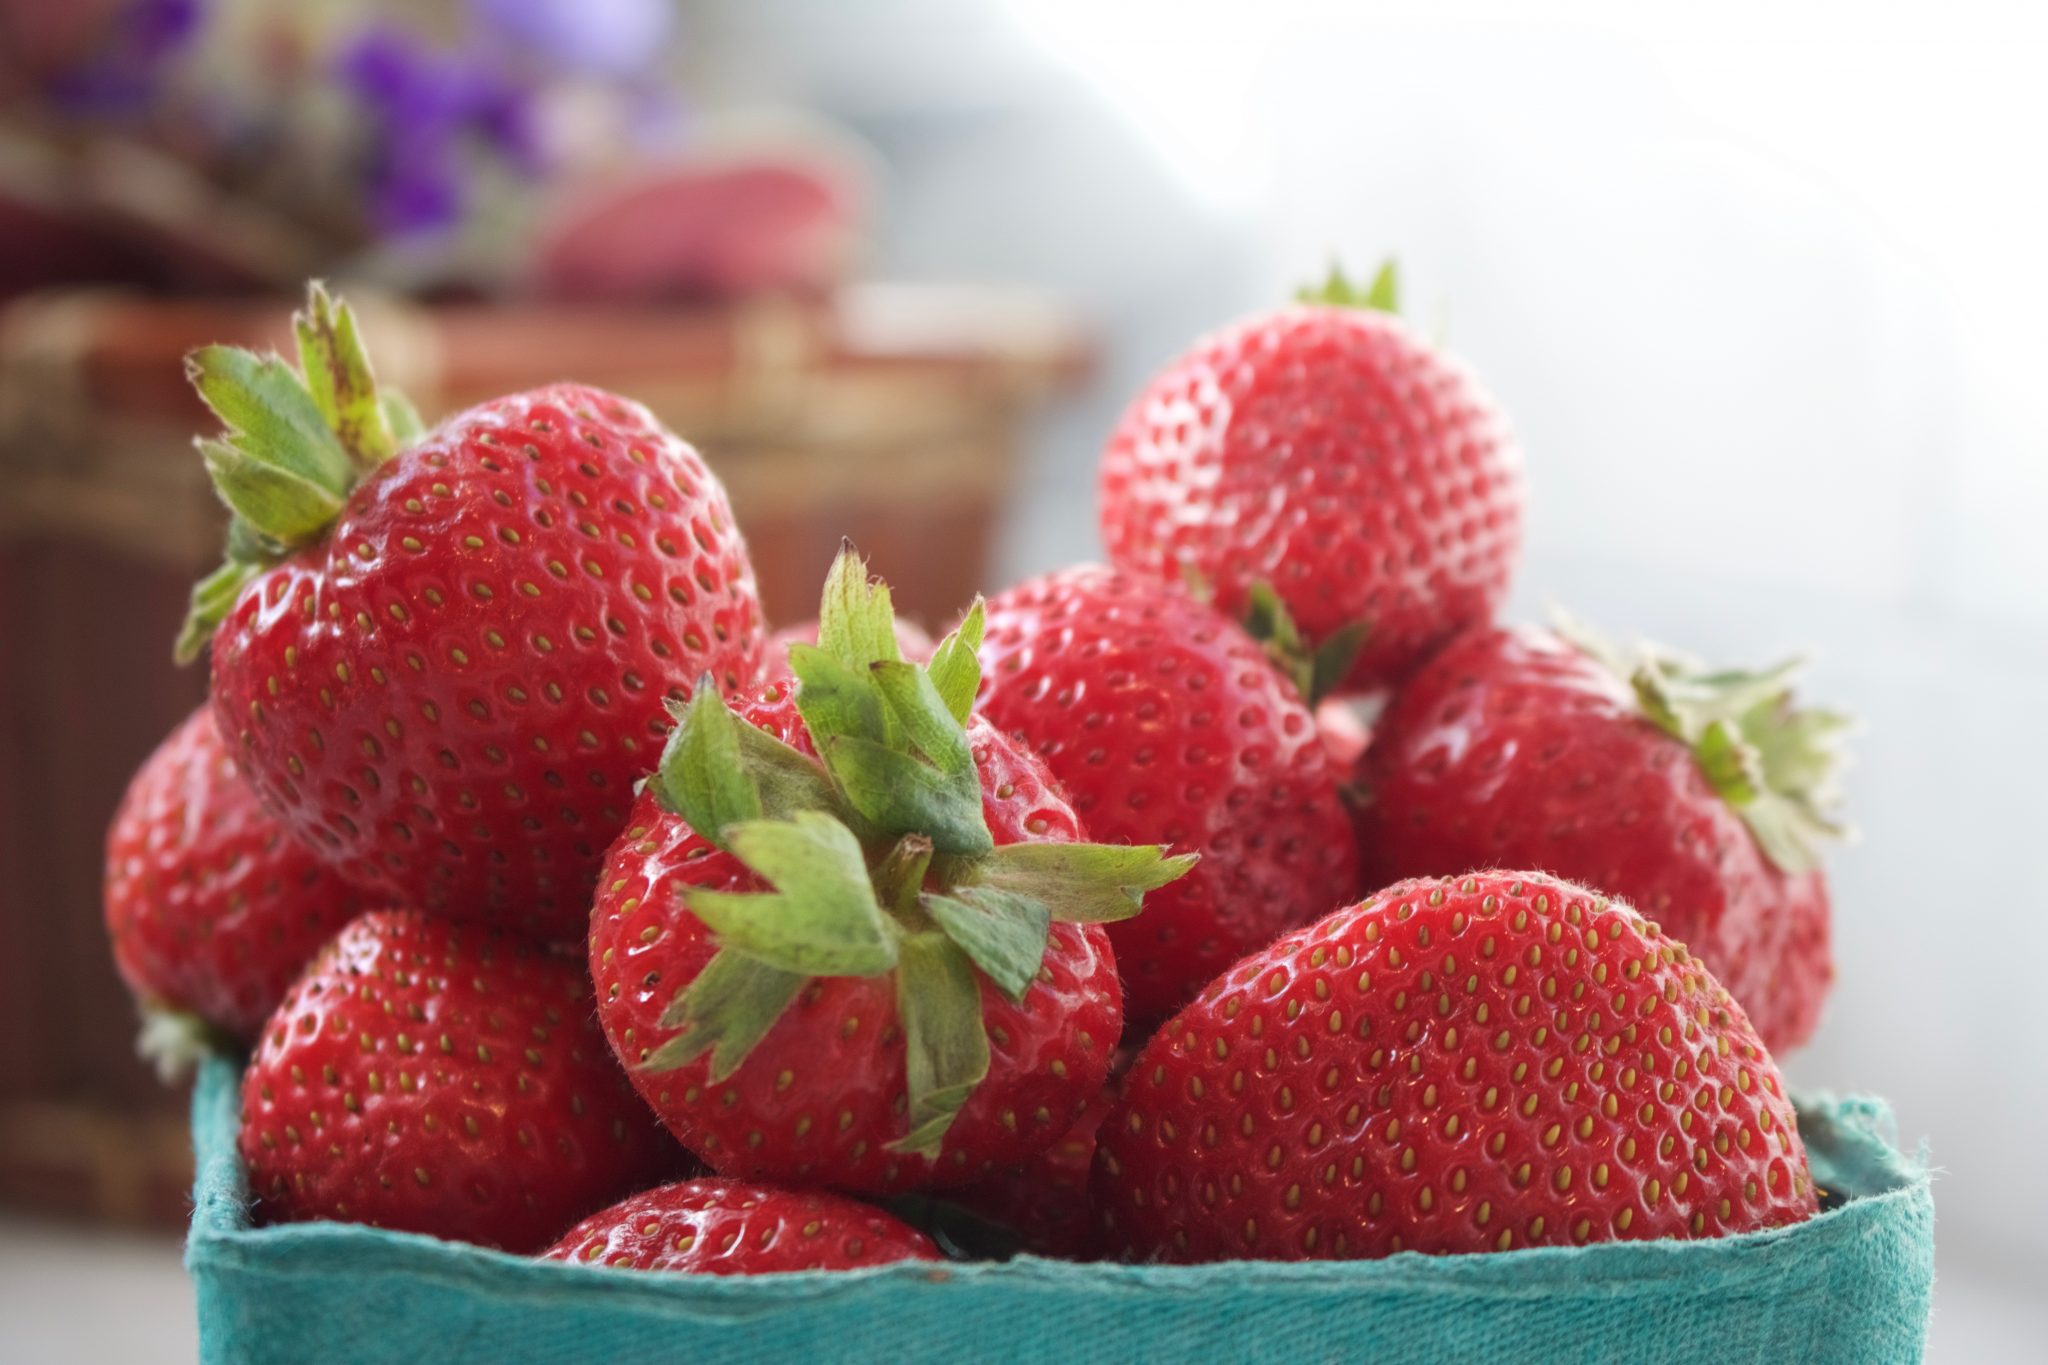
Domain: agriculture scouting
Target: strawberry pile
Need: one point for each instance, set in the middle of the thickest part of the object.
(1254, 895)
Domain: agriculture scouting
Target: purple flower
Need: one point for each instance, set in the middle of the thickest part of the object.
(607, 37)
(423, 104)
(123, 76)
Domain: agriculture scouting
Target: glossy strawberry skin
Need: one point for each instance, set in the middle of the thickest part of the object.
(1166, 724)
(451, 694)
(911, 641)
(442, 1078)
(1514, 748)
(731, 1227)
(1501, 1061)
(823, 1093)
(1333, 454)
(212, 909)
(1044, 1200)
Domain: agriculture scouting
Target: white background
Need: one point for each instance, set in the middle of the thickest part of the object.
(1765, 291)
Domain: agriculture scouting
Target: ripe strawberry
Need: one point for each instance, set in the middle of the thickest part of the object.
(1501, 1061)
(911, 642)
(1166, 724)
(443, 656)
(1329, 452)
(730, 1227)
(925, 995)
(1697, 797)
(1045, 1199)
(441, 1078)
(211, 908)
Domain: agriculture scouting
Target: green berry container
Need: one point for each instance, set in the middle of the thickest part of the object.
(1853, 1284)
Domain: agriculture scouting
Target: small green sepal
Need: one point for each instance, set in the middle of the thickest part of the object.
(1316, 671)
(1774, 763)
(945, 1042)
(1383, 295)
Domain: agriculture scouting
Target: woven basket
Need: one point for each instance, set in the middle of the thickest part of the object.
(1850, 1285)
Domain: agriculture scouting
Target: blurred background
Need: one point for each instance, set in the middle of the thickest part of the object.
(1762, 292)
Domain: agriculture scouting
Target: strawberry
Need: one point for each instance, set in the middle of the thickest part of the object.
(211, 908)
(1044, 1200)
(1166, 725)
(911, 643)
(1506, 1060)
(730, 1227)
(851, 938)
(1699, 797)
(442, 1078)
(443, 656)
(1329, 454)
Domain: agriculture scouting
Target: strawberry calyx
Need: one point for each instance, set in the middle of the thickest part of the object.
(877, 856)
(1337, 290)
(297, 442)
(174, 1041)
(1775, 764)
(1316, 670)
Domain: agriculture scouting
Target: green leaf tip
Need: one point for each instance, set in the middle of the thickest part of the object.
(856, 620)
(822, 918)
(1776, 764)
(955, 667)
(945, 1042)
(296, 442)
(1317, 669)
(337, 373)
(1383, 295)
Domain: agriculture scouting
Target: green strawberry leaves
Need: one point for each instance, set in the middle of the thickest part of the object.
(821, 919)
(727, 1009)
(1774, 763)
(877, 856)
(955, 671)
(1081, 883)
(1383, 295)
(1316, 671)
(1004, 933)
(946, 1046)
(297, 441)
(717, 771)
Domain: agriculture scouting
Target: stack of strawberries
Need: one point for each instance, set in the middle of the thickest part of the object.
(1252, 897)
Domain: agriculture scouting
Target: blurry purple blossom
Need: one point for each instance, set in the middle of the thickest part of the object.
(423, 105)
(124, 73)
(606, 37)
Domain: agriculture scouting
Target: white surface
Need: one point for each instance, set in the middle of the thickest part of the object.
(75, 1297)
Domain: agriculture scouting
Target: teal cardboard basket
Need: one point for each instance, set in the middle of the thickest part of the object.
(1850, 1285)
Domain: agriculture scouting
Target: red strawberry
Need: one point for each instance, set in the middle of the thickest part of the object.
(923, 996)
(1502, 1061)
(1045, 1199)
(1330, 452)
(1698, 797)
(911, 642)
(441, 1078)
(730, 1227)
(443, 657)
(1166, 725)
(212, 910)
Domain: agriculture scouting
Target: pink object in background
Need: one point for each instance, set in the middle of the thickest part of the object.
(773, 219)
